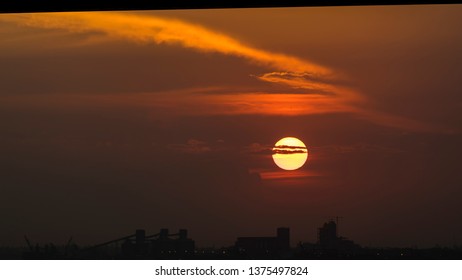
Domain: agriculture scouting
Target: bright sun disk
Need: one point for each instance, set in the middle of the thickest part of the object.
(290, 153)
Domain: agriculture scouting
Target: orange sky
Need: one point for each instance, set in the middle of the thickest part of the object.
(176, 112)
(318, 88)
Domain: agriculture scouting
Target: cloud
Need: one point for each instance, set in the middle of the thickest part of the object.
(259, 149)
(192, 146)
(286, 149)
(329, 150)
(289, 147)
(322, 86)
(296, 178)
(293, 71)
(154, 29)
(300, 80)
(287, 152)
(281, 175)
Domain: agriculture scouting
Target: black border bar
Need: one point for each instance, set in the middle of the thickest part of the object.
(111, 5)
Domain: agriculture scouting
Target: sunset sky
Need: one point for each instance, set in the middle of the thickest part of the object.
(114, 121)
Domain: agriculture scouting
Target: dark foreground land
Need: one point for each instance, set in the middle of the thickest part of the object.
(164, 245)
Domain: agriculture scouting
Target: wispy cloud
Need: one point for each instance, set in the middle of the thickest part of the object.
(296, 178)
(300, 80)
(154, 29)
(192, 146)
(322, 86)
(256, 148)
(288, 152)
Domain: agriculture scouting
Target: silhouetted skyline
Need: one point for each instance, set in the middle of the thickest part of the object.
(166, 245)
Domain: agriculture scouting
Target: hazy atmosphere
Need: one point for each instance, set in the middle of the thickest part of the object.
(114, 121)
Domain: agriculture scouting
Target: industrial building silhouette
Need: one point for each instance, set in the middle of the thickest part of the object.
(330, 244)
(161, 245)
(265, 247)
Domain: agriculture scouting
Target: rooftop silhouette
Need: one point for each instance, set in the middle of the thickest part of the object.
(264, 247)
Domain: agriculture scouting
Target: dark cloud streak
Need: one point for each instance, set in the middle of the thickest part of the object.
(288, 152)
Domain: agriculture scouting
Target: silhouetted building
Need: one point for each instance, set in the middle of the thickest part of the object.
(329, 245)
(333, 245)
(327, 234)
(165, 246)
(139, 246)
(265, 247)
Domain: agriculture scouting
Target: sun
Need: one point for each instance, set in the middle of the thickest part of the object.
(290, 153)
